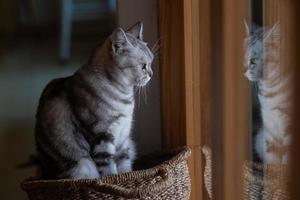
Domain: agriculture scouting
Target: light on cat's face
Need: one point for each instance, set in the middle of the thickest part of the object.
(132, 56)
(253, 53)
(254, 61)
(257, 42)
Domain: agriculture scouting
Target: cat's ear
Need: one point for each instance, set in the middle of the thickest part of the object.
(247, 28)
(273, 32)
(118, 40)
(136, 30)
(250, 27)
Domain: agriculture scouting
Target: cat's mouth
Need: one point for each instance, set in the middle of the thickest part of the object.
(251, 75)
(142, 82)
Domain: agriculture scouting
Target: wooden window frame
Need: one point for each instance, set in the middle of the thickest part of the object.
(192, 81)
(289, 16)
(295, 173)
(201, 100)
(180, 86)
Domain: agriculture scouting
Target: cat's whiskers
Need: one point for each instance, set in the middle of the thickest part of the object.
(156, 47)
(137, 91)
(140, 93)
(146, 89)
(255, 87)
(144, 93)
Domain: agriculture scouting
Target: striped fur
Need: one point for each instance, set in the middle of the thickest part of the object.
(83, 127)
(263, 67)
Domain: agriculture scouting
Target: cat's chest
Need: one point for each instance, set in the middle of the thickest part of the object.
(113, 108)
(117, 119)
(125, 124)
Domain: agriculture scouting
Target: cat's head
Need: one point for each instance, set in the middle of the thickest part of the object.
(256, 42)
(131, 55)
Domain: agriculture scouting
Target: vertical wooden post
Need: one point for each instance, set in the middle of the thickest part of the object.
(235, 99)
(193, 41)
(295, 59)
(172, 65)
(230, 142)
(185, 78)
(216, 59)
(176, 65)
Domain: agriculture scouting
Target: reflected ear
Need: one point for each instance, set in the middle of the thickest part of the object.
(137, 30)
(247, 28)
(273, 32)
(118, 40)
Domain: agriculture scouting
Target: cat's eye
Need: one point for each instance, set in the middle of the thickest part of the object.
(144, 67)
(252, 62)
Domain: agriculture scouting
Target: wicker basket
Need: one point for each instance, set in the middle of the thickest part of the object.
(159, 176)
(265, 182)
(261, 181)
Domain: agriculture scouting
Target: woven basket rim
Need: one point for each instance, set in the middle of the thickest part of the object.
(271, 172)
(182, 153)
(265, 166)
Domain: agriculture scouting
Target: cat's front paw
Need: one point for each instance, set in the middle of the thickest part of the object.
(103, 155)
(124, 166)
(106, 169)
(85, 169)
(124, 160)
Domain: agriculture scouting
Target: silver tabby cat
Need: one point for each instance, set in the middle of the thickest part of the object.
(83, 127)
(263, 67)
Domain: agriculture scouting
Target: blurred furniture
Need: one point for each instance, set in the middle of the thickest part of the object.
(74, 10)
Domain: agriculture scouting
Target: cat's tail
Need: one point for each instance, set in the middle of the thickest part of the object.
(32, 161)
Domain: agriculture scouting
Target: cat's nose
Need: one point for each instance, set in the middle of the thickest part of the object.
(150, 73)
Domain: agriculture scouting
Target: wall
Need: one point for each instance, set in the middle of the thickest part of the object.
(147, 128)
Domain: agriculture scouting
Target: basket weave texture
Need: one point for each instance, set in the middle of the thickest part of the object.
(261, 181)
(265, 181)
(166, 179)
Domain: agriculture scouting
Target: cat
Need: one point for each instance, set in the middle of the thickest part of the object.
(262, 61)
(84, 121)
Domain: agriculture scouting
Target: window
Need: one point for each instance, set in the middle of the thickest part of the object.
(206, 99)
